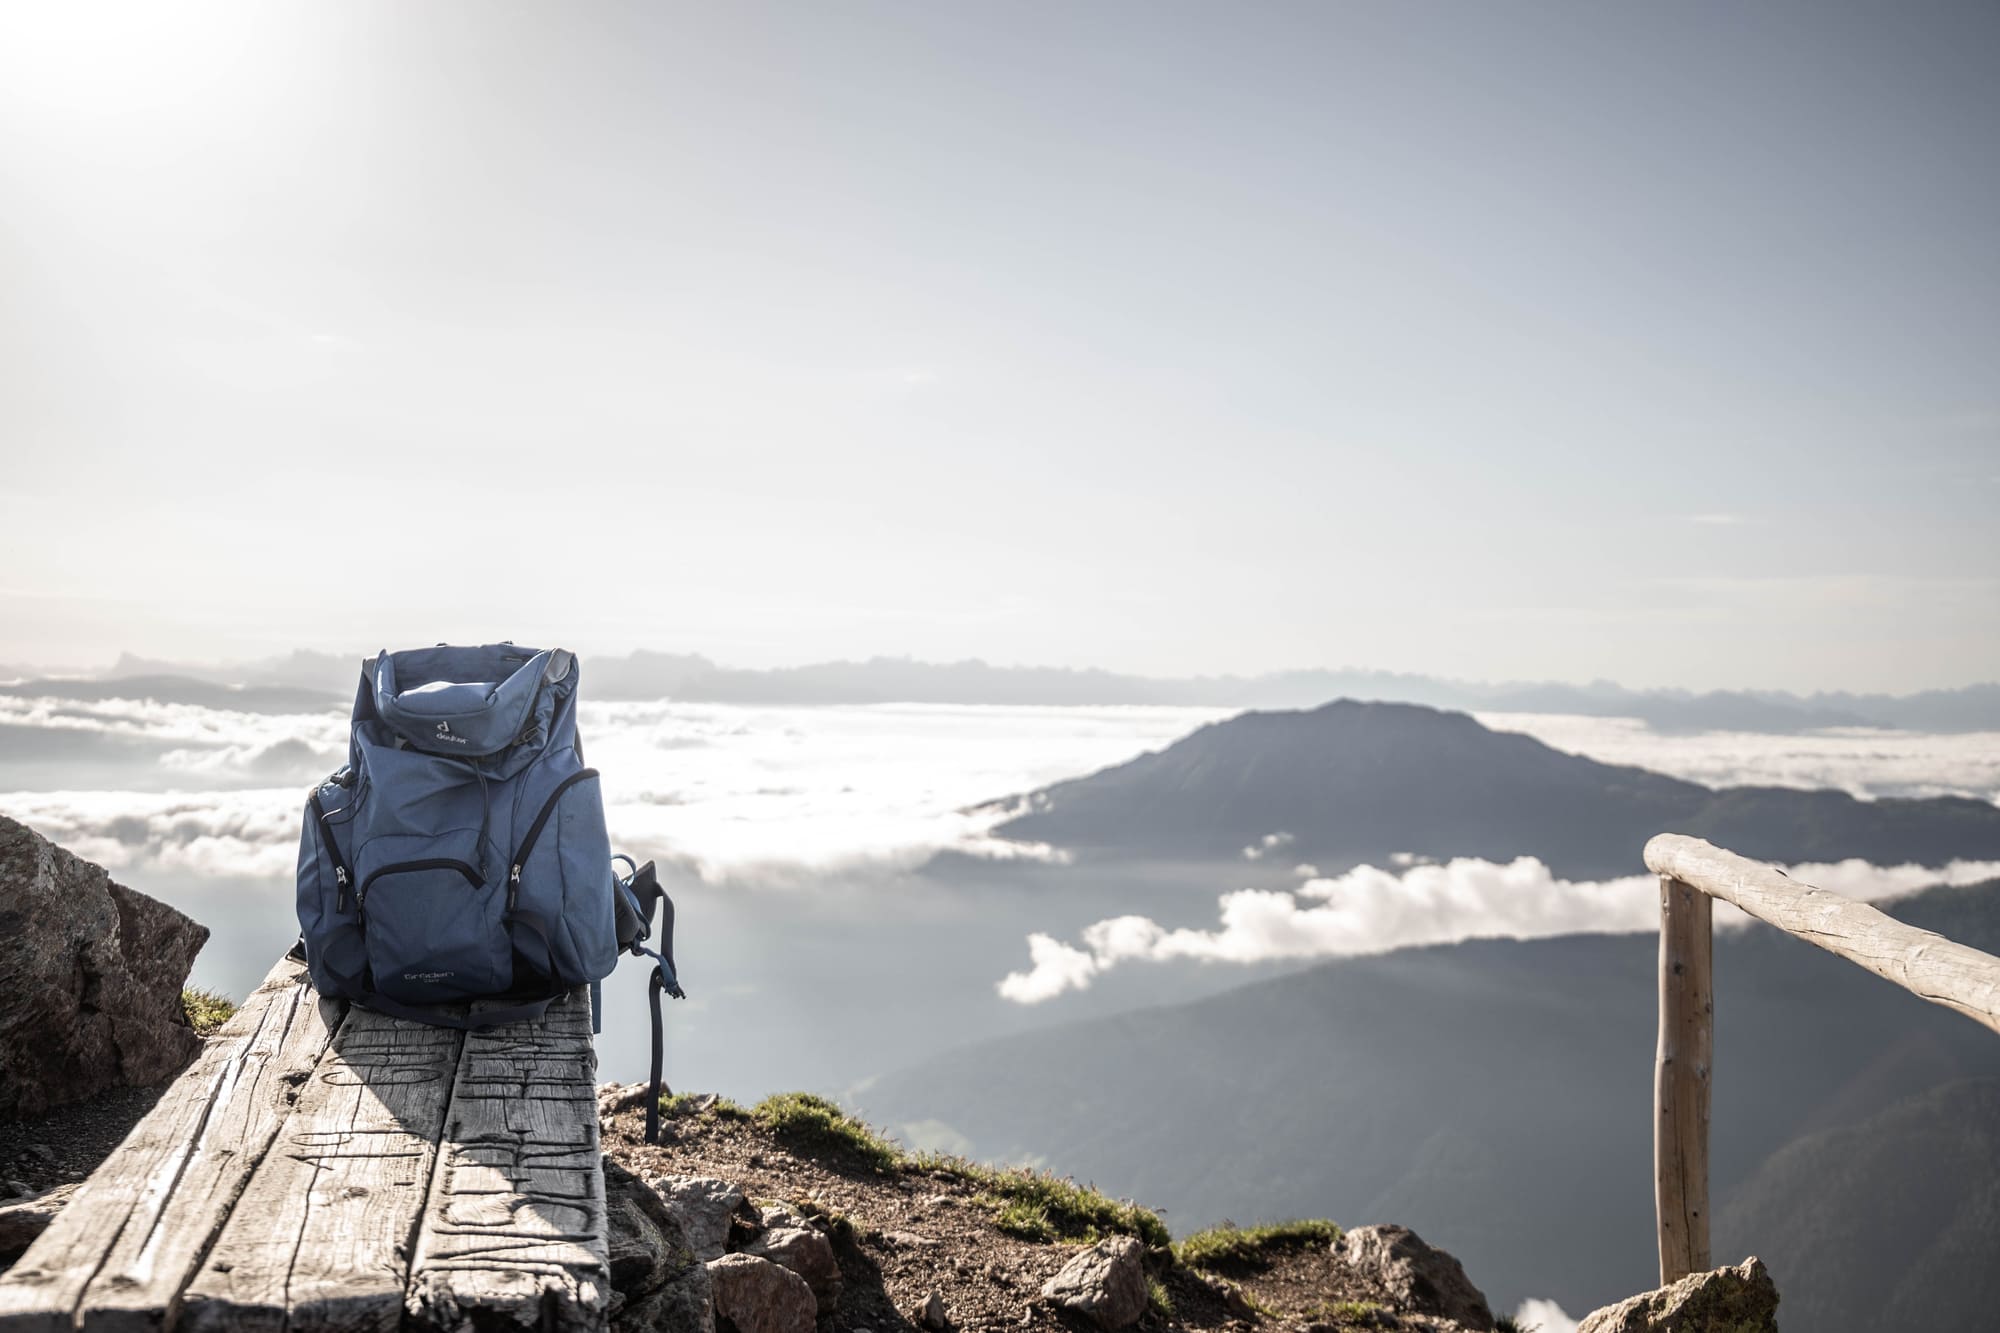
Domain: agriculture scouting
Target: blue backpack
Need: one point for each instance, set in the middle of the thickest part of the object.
(461, 854)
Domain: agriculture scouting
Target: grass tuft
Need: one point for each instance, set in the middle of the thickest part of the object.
(817, 1125)
(206, 1010)
(1158, 1300)
(1041, 1206)
(1230, 1246)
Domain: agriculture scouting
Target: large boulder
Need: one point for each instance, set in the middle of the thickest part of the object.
(658, 1284)
(1419, 1278)
(94, 974)
(1106, 1283)
(1742, 1299)
(754, 1295)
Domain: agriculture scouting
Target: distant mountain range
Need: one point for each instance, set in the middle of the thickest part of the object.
(1494, 1095)
(1358, 783)
(654, 675)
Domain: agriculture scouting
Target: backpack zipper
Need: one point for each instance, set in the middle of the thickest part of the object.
(340, 874)
(535, 831)
(400, 867)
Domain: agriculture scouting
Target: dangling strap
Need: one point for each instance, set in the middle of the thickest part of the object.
(663, 979)
(653, 989)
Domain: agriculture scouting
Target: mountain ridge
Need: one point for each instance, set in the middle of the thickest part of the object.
(649, 674)
(1492, 1093)
(1351, 783)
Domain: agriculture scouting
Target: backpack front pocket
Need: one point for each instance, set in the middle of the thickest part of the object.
(432, 918)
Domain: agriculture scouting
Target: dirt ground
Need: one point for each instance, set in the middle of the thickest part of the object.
(904, 1232)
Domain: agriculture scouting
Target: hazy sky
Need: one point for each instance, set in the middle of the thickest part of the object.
(1490, 339)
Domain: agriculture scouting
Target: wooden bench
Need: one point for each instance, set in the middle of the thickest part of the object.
(321, 1167)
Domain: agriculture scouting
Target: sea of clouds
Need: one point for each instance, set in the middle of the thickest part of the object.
(811, 798)
(756, 796)
(769, 796)
(792, 833)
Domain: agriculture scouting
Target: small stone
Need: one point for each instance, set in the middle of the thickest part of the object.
(1419, 1278)
(805, 1252)
(1742, 1299)
(932, 1314)
(1105, 1283)
(758, 1296)
(706, 1208)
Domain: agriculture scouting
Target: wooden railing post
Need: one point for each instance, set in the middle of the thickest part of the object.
(1680, 1080)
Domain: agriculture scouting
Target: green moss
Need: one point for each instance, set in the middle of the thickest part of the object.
(206, 1010)
(1358, 1314)
(814, 1124)
(1040, 1206)
(1240, 1247)
(1256, 1306)
(1158, 1300)
(684, 1106)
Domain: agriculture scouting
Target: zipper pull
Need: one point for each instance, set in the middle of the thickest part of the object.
(513, 886)
(340, 885)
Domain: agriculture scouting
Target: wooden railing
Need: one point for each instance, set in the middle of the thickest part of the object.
(1692, 872)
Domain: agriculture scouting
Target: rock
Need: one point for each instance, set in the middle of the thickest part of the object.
(754, 1295)
(658, 1284)
(705, 1207)
(931, 1313)
(615, 1097)
(24, 1219)
(1105, 1283)
(1418, 1278)
(807, 1253)
(1742, 1299)
(907, 1240)
(94, 974)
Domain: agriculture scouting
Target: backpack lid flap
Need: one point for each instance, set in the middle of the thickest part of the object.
(463, 701)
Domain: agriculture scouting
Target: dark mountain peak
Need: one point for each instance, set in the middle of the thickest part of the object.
(1356, 781)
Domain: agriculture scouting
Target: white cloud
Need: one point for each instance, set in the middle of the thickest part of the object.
(1371, 910)
(251, 834)
(1267, 844)
(1543, 1316)
(1056, 967)
(1861, 761)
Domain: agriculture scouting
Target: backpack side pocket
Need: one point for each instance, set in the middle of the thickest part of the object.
(329, 919)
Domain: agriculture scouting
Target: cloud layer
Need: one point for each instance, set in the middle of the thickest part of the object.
(1371, 910)
(772, 796)
(1863, 762)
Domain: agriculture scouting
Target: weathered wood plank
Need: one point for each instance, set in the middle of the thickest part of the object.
(321, 1238)
(1923, 963)
(125, 1245)
(1681, 1080)
(515, 1234)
